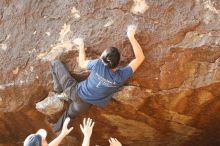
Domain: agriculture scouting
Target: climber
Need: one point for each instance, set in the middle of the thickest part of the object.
(39, 138)
(104, 80)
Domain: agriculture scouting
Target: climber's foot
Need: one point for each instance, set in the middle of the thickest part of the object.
(61, 96)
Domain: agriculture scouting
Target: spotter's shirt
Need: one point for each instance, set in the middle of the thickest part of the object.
(102, 82)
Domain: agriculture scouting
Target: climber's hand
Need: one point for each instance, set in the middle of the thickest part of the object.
(87, 127)
(114, 142)
(79, 42)
(65, 131)
(131, 31)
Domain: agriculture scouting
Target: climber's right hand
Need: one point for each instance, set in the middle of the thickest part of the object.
(131, 31)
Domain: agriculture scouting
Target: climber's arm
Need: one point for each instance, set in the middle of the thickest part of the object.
(65, 131)
(82, 56)
(139, 55)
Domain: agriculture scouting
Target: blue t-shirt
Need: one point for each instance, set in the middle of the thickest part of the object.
(102, 82)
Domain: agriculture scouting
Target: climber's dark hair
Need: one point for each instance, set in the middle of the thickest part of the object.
(111, 57)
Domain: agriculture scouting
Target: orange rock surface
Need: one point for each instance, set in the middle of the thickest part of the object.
(172, 100)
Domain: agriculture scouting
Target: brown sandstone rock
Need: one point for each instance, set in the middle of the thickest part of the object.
(173, 99)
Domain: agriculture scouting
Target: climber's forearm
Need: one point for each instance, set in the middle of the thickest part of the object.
(138, 53)
(82, 57)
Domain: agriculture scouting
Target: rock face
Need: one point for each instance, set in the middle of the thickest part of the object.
(172, 100)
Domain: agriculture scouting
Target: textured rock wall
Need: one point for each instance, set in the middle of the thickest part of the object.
(173, 99)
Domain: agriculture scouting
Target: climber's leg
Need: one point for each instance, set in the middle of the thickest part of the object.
(75, 108)
(62, 79)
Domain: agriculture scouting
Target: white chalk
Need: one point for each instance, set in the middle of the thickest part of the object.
(139, 7)
(48, 33)
(3, 47)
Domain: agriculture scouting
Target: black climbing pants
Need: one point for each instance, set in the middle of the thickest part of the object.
(64, 82)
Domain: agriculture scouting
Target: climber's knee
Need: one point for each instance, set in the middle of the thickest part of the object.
(55, 62)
